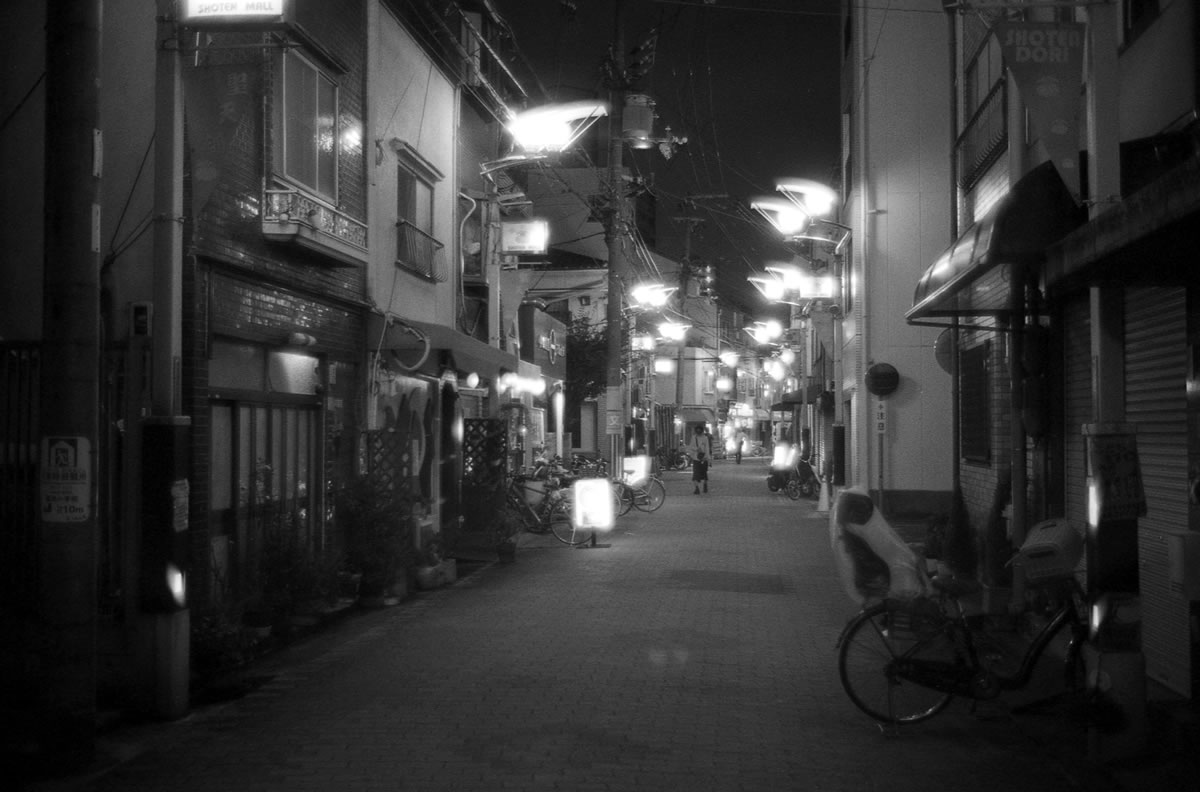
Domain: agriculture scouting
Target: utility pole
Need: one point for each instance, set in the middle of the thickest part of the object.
(68, 412)
(691, 222)
(614, 222)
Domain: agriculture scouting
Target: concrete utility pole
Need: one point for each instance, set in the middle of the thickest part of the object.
(70, 388)
(691, 222)
(614, 223)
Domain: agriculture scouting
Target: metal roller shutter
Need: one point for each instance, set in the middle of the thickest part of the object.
(1155, 400)
(1077, 349)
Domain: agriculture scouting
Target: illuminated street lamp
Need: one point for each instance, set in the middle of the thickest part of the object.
(651, 295)
(542, 131)
(673, 331)
(765, 332)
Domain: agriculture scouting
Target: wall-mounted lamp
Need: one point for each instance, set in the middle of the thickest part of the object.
(301, 340)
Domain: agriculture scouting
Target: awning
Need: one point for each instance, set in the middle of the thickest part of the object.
(469, 354)
(695, 414)
(1034, 214)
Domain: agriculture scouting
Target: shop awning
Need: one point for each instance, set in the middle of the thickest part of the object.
(469, 354)
(695, 413)
(1034, 214)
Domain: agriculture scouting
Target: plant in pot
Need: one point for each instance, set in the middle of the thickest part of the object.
(507, 526)
(433, 568)
(378, 530)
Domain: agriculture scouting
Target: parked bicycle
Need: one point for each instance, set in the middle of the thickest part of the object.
(673, 459)
(803, 481)
(543, 506)
(904, 661)
(647, 495)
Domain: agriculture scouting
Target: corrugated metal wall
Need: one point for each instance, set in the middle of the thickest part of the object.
(1155, 400)
(1077, 411)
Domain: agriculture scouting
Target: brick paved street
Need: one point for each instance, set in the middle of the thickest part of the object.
(694, 652)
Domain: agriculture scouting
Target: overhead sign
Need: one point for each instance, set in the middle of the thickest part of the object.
(527, 237)
(66, 479)
(218, 11)
(1046, 61)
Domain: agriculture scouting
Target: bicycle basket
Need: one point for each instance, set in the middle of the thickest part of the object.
(1052, 550)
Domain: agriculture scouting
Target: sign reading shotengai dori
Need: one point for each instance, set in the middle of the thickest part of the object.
(214, 10)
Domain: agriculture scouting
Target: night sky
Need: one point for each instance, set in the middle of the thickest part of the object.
(752, 84)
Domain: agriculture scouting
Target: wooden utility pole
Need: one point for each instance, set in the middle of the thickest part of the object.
(615, 219)
(70, 389)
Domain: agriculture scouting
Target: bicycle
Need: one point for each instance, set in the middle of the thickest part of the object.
(676, 459)
(551, 513)
(902, 662)
(648, 495)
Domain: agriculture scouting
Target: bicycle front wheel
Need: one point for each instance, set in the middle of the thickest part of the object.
(792, 488)
(869, 646)
(650, 497)
(563, 527)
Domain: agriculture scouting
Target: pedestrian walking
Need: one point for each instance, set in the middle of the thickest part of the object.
(739, 441)
(701, 451)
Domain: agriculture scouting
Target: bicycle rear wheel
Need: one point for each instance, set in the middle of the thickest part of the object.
(869, 645)
(650, 497)
(563, 527)
(625, 498)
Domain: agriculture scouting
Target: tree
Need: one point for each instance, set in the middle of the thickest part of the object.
(586, 356)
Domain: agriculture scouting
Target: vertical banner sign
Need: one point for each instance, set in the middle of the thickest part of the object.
(881, 417)
(220, 103)
(66, 479)
(1114, 477)
(1046, 61)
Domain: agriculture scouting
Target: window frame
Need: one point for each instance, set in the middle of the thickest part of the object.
(287, 136)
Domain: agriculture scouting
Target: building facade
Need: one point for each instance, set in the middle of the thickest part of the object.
(1067, 295)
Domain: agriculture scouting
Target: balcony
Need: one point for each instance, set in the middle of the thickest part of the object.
(419, 253)
(292, 216)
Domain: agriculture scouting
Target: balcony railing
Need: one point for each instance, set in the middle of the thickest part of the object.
(292, 216)
(420, 253)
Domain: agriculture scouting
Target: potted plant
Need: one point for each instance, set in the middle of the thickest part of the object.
(433, 568)
(378, 531)
(508, 525)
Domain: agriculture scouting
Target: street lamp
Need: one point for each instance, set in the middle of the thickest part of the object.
(542, 131)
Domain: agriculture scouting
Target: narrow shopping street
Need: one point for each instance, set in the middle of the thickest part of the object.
(694, 649)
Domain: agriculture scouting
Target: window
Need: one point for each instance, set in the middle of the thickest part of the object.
(310, 126)
(417, 249)
(414, 200)
(976, 410)
(1136, 16)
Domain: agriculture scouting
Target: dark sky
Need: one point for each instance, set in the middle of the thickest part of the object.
(752, 84)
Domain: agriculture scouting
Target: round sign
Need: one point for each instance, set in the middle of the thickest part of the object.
(882, 379)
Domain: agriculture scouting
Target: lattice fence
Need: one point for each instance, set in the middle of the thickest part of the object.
(390, 462)
(485, 448)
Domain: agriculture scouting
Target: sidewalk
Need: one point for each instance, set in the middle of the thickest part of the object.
(694, 649)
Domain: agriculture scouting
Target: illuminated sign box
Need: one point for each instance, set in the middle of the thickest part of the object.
(219, 12)
(527, 237)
